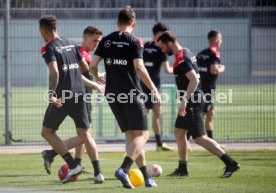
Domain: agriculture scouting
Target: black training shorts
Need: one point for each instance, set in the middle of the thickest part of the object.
(149, 97)
(193, 120)
(209, 102)
(149, 102)
(130, 116)
(76, 109)
(89, 110)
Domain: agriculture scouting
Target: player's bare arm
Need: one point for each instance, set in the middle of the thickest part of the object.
(217, 69)
(53, 82)
(193, 83)
(94, 69)
(144, 76)
(84, 66)
(92, 84)
(167, 68)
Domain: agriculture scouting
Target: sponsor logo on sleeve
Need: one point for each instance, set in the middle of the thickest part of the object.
(193, 60)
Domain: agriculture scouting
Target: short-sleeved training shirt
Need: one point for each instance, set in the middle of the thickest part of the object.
(86, 54)
(67, 56)
(153, 59)
(205, 59)
(184, 62)
(118, 50)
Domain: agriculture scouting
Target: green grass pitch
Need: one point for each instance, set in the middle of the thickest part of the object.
(257, 174)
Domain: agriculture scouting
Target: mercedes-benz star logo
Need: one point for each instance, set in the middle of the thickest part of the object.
(107, 43)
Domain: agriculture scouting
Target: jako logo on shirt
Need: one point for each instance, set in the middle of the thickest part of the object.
(149, 64)
(116, 62)
(119, 62)
(71, 66)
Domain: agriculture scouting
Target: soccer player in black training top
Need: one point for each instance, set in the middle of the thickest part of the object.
(190, 116)
(122, 53)
(64, 61)
(91, 39)
(210, 67)
(153, 60)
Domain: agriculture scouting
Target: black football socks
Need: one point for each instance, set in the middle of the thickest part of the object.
(145, 173)
(96, 166)
(210, 134)
(69, 160)
(126, 164)
(78, 161)
(158, 140)
(52, 153)
(182, 167)
(227, 159)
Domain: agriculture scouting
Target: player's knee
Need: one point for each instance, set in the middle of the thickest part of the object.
(157, 111)
(46, 132)
(83, 133)
(145, 135)
(199, 140)
(177, 133)
(43, 134)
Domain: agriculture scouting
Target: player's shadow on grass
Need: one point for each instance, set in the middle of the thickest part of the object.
(100, 187)
(91, 180)
(256, 159)
(202, 155)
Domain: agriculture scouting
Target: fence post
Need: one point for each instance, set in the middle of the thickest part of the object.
(249, 36)
(159, 10)
(7, 74)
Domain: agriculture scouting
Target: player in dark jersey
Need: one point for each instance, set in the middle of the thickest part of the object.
(64, 62)
(191, 107)
(210, 67)
(91, 39)
(122, 53)
(153, 60)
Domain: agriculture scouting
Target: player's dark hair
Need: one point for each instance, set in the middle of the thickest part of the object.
(126, 16)
(213, 34)
(166, 37)
(49, 22)
(90, 30)
(159, 27)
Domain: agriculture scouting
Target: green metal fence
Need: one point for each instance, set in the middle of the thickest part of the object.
(248, 52)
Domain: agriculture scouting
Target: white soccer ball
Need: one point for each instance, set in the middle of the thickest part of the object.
(155, 170)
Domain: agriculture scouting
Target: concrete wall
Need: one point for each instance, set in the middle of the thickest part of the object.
(29, 69)
(263, 52)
